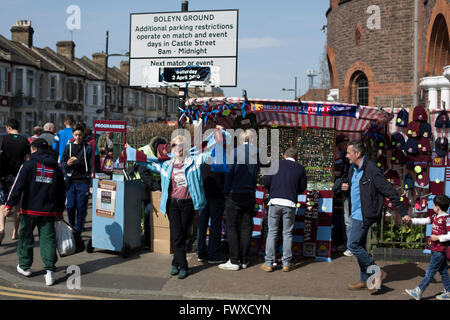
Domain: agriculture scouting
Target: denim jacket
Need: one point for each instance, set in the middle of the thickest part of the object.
(192, 164)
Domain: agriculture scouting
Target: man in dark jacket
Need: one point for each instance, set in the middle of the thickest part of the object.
(368, 190)
(40, 184)
(213, 183)
(240, 188)
(284, 188)
(15, 149)
(76, 164)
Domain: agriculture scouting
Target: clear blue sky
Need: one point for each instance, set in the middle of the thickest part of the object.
(278, 40)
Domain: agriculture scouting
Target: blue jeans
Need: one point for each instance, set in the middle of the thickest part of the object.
(275, 214)
(347, 219)
(438, 263)
(214, 210)
(357, 245)
(77, 201)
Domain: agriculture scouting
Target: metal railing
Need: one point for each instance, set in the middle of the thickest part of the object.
(392, 232)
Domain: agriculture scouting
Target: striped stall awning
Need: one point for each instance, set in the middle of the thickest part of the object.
(348, 124)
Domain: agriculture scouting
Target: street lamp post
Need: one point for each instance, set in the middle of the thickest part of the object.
(106, 71)
(183, 92)
(295, 89)
(106, 74)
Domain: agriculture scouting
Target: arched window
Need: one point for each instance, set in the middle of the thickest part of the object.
(360, 88)
(438, 56)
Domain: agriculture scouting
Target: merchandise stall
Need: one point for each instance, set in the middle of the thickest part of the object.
(116, 203)
(311, 127)
(424, 171)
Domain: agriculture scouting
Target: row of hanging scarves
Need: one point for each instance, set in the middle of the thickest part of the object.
(208, 111)
(209, 108)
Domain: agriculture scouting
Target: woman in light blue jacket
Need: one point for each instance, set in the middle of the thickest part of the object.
(182, 192)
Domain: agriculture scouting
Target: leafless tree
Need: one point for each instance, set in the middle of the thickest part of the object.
(324, 72)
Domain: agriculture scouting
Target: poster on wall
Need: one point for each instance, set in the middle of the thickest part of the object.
(106, 199)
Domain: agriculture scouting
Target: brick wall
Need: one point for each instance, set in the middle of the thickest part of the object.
(315, 95)
(386, 54)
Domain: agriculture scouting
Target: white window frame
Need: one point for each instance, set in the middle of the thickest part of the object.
(17, 72)
(3, 80)
(152, 105)
(29, 87)
(54, 88)
(94, 94)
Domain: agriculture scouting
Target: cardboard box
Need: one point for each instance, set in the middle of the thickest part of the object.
(157, 218)
(161, 246)
(160, 233)
(160, 241)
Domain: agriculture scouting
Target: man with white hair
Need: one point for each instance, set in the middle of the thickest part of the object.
(49, 133)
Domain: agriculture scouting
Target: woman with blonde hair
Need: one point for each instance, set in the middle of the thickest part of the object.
(182, 192)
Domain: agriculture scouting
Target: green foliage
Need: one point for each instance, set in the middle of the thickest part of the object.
(401, 236)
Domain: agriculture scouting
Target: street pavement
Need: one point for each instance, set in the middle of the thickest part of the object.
(145, 275)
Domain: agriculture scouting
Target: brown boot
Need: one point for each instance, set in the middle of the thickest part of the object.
(357, 286)
(288, 268)
(266, 268)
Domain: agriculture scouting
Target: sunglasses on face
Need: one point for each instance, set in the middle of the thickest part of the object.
(174, 145)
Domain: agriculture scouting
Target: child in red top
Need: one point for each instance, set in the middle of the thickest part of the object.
(440, 239)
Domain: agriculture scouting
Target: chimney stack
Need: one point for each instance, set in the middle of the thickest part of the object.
(99, 58)
(66, 49)
(125, 66)
(22, 32)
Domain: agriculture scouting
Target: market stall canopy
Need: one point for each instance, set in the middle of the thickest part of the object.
(289, 113)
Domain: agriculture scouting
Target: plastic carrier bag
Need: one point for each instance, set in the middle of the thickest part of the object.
(65, 240)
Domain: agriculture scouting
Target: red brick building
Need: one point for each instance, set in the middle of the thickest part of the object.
(370, 49)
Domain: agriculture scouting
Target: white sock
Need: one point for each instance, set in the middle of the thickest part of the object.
(49, 272)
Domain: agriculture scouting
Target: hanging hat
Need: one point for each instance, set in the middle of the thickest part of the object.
(393, 177)
(442, 120)
(423, 145)
(398, 141)
(402, 118)
(441, 146)
(408, 182)
(405, 201)
(425, 130)
(386, 144)
(411, 146)
(382, 162)
(423, 180)
(420, 114)
(398, 157)
(413, 130)
(421, 204)
(341, 138)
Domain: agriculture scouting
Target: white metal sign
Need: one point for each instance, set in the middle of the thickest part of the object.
(181, 39)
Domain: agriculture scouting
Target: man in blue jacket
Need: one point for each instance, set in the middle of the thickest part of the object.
(39, 187)
(284, 188)
(63, 137)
